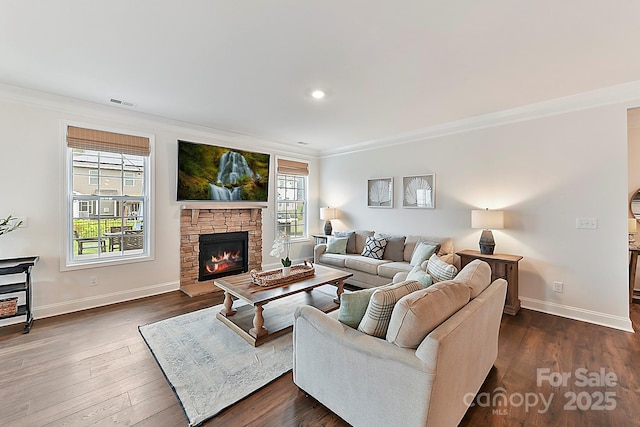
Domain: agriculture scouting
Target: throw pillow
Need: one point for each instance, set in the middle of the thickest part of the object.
(419, 313)
(421, 253)
(336, 245)
(395, 247)
(476, 275)
(374, 247)
(351, 242)
(440, 270)
(376, 318)
(353, 305)
(417, 273)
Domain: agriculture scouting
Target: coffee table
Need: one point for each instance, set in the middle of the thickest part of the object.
(248, 320)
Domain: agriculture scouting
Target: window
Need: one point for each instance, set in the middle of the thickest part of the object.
(108, 213)
(291, 210)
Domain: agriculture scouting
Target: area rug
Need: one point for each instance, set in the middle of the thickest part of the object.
(209, 366)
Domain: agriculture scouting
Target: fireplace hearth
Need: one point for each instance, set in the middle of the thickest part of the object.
(223, 254)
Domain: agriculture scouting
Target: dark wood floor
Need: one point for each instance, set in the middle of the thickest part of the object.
(92, 368)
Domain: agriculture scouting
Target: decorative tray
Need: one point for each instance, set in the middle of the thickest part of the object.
(275, 278)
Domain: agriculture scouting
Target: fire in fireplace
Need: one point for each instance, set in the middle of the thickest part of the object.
(223, 254)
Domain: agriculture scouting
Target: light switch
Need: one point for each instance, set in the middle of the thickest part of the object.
(589, 223)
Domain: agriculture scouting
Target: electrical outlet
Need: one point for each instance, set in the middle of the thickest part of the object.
(589, 223)
(558, 287)
(93, 280)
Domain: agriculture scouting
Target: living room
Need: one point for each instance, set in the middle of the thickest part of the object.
(545, 163)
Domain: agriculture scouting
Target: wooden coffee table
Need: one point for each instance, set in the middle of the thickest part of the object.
(248, 320)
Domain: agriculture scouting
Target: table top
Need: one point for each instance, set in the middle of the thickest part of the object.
(12, 265)
(241, 286)
(501, 257)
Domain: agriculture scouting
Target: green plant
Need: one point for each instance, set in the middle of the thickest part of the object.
(9, 224)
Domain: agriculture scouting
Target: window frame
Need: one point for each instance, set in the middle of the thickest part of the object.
(68, 261)
(304, 201)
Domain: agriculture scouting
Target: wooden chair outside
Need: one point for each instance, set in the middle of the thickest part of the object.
(116, 241)
(133, 239)
(85, 243)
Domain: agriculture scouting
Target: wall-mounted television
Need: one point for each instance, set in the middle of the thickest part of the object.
(209, 172)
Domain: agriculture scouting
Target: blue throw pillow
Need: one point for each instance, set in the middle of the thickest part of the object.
(421, 253)
(420, 275)
(353, 305)
(337, 245)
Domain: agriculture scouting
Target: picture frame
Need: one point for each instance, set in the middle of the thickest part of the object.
(419, 191)
(380, 193)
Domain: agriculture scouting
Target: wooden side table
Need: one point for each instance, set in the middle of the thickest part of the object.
(503, 266)
(633, 264)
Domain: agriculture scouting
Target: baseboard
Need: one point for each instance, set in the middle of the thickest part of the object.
(602, 319)
(102, 300)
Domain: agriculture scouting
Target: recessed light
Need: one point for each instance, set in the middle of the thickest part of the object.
(318, 93)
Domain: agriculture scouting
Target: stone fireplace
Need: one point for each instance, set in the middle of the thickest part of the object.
(199, 220)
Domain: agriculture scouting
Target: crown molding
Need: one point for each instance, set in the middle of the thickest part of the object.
(625, 93)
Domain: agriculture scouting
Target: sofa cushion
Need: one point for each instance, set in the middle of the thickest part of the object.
(440, 270)
(418, 313)
(333, 260)
(374, 247)
(390, 269)
(421, 253)
(363, 263)
(361, 239)
(476, 275)
(376, 318)
(336, 245)
(394, 250)
(351, 242)
(417, 273)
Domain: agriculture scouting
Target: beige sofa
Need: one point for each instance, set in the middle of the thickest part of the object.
(368, 272)
(370, 381)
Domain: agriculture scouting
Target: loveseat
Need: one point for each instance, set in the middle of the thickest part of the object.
(370, 272)
(404, 378)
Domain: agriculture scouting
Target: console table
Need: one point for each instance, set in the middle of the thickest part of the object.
(502, 267)
(21, 265)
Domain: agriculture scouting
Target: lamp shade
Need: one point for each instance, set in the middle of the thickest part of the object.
(328, 213)
(633, 225)
(489, 220)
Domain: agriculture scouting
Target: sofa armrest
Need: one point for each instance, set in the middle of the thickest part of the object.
(400, 277)
(318, 250)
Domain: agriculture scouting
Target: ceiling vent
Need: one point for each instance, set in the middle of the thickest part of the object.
(121, 102)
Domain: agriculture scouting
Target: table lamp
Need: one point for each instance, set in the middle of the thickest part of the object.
(487, 220)
(633, 228)
(328, 214)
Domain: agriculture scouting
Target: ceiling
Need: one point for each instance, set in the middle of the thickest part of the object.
(389, 67)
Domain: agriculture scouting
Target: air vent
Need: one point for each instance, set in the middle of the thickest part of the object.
(121, 102)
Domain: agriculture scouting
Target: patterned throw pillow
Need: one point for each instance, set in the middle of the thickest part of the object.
(374, 247)
(440, 270)
(376, 319)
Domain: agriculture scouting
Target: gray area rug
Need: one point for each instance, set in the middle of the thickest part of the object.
(209, 366)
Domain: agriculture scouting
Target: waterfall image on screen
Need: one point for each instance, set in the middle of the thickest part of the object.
(208, 172)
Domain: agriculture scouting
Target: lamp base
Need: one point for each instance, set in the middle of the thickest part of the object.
(487, 244)
(328, 229)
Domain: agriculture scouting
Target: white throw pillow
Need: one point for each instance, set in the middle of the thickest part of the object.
(440, 270)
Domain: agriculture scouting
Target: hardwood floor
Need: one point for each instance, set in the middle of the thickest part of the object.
(92, 368)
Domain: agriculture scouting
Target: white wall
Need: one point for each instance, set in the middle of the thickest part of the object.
(30, 186)
(545, 173)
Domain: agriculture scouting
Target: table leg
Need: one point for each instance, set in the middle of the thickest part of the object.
(339, 291)
(633, 263)
(258, 329)
(228, 306)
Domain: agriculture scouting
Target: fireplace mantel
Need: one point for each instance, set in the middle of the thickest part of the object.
(196, 208)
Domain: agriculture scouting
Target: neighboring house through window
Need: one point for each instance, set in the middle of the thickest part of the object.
(109, 196)
(291, 210)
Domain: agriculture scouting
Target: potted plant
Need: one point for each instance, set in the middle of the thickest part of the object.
(282, 245)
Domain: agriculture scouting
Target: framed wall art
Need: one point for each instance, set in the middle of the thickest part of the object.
(419, 191)
(380, 193)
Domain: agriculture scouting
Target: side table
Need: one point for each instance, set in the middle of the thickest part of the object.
(319, 238)
(633, 263)
(503, 266)
(19, 266)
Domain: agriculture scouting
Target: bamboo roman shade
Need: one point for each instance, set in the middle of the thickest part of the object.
(291, 167)
(98, 140)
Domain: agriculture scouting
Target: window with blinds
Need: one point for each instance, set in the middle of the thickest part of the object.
(108, 196)
(291, 210)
